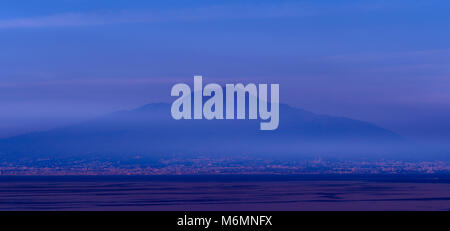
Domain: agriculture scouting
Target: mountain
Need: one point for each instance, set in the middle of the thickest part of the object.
(151, 133)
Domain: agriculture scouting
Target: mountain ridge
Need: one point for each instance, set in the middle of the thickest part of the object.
(150, 131)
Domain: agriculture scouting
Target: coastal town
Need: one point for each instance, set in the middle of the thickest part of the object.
(225, 166)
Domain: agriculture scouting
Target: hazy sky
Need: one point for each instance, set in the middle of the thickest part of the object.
(387, 62)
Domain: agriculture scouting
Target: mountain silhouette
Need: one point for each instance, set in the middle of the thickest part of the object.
(151, 133)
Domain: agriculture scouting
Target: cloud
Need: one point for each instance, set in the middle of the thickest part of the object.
(225, 12)
(59, 20)
(205, 13)
(92, 82)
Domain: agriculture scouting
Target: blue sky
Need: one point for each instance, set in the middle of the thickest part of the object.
(387, 62)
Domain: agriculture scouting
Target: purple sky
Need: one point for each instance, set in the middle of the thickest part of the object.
(387, 62)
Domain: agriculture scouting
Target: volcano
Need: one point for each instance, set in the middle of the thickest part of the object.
(151, 133)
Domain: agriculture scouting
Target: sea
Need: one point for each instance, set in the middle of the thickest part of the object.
(226, 193)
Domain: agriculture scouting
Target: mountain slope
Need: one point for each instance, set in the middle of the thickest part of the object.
(150, 132)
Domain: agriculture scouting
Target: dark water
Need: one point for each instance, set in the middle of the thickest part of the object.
(226, 193)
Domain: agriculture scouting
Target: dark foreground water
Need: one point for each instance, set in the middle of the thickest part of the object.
(226, 193)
